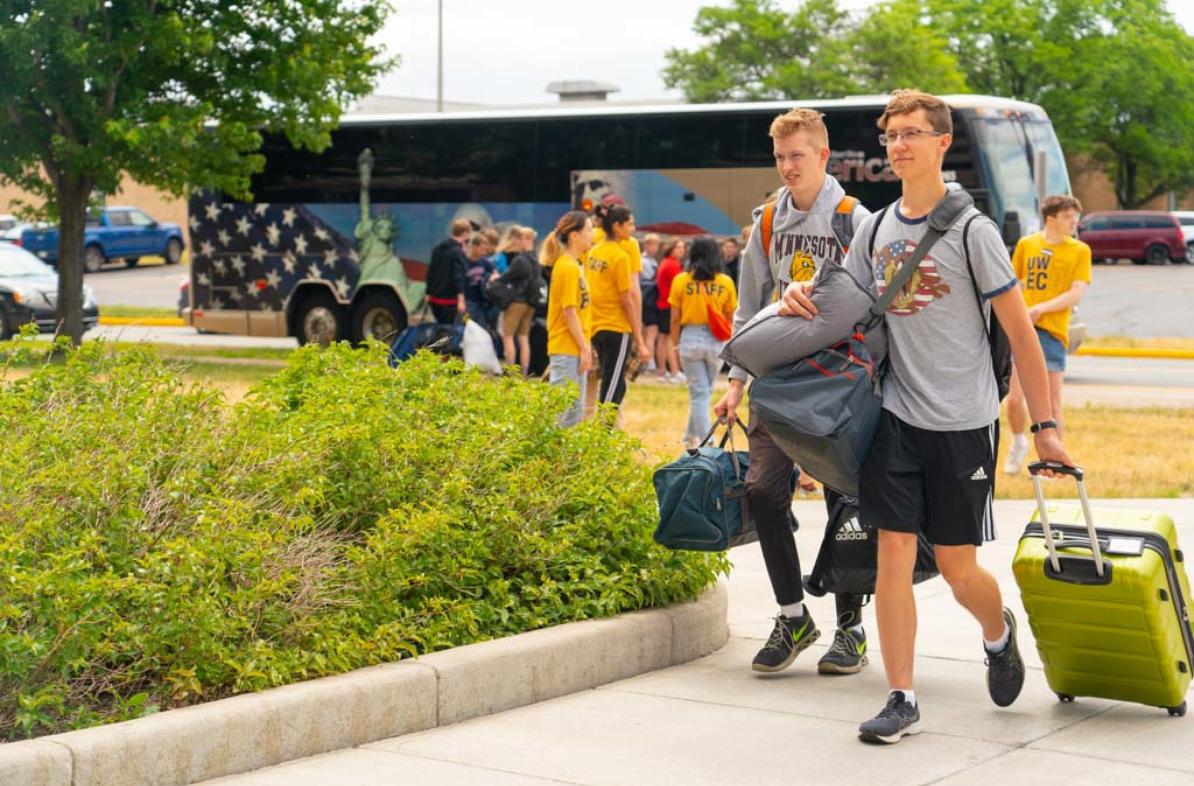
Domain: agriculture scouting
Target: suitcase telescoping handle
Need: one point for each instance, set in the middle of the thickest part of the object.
(1035, 469)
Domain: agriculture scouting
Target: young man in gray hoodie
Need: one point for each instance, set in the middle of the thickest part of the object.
(809, 224)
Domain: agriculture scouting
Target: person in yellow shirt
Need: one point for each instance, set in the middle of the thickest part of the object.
(702, 301)
(630, 245)
(617, 316)
(1054, 271)
(569, 307)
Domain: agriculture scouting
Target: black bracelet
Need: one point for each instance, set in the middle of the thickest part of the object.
(1044, 424)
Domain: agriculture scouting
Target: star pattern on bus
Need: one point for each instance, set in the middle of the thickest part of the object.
(247, 255)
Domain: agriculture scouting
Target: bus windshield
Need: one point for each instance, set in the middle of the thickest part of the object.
(1009, 149)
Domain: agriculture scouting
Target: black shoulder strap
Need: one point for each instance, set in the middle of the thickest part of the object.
(870, 249)
(978, 294)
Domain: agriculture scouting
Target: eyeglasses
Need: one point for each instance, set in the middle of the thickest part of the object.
(911, 135)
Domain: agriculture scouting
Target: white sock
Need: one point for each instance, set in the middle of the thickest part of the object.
(909, 695)
(1019, 441)
(792, 610)
(999, 644)
(856, 630)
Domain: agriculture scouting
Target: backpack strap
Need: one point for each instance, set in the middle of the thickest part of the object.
(870, 249)
(843, 222)
(978, 294)
(765, 226)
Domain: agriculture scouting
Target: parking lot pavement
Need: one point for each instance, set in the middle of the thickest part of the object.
(712, 721)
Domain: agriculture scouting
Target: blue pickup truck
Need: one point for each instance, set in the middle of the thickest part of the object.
(112, 234)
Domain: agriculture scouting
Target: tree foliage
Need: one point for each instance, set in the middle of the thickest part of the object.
(1113, 75)
(175, 93)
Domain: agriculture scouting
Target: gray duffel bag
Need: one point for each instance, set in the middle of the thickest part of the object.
(822, 410)
(770, 341)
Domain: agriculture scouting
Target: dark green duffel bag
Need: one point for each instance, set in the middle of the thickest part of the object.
(702, 497)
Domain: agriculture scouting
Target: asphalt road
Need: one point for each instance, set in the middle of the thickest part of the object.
(1139, 301)
(147, 285)
(1123, 300)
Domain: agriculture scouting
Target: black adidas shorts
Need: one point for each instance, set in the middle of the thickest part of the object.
(938, 482)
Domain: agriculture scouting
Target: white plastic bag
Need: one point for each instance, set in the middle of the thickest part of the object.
(477, 346)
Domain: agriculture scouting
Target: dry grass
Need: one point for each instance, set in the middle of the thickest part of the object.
(1141, 452)
(1145, 452)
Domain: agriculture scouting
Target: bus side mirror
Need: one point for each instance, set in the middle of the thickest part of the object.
(1011, 228)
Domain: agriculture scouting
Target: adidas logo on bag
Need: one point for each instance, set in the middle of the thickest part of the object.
(979, 474)
(851, 530)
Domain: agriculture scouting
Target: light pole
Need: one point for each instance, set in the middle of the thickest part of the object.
(439, 71)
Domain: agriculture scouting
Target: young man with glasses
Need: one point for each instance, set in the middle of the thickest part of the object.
(931, 465)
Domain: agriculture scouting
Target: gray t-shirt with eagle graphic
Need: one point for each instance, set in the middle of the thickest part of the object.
(939, 374)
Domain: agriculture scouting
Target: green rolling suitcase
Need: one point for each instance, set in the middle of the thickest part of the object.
(1108, 604)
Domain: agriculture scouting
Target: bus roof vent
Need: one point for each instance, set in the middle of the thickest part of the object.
(576, 90)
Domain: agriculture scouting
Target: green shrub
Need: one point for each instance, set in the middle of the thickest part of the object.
(162, 548)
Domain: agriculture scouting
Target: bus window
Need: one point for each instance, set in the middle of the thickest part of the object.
(1004, 159)
(1043, 138)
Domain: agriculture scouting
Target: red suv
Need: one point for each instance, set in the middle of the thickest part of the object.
(1149, 237)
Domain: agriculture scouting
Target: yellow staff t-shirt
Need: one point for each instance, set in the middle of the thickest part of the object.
(1046, 271)
(609, 276)
(569, 289)
(690, 296)
(629, 245)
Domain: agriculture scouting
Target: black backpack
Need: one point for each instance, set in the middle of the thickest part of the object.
(997, 340)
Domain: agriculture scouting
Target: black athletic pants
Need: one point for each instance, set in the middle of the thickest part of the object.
(612, 350)
(769, 497)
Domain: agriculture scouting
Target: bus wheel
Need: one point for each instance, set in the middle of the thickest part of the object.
(319, 320)
(377, 315)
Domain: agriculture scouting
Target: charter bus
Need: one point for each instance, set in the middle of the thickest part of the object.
(335, 244)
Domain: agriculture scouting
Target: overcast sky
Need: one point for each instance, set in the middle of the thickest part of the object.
(499, 52)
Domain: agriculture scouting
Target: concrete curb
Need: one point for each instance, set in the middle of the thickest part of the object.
(257, 730)
(1137, 352)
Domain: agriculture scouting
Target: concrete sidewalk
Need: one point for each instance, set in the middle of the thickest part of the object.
(713, 721)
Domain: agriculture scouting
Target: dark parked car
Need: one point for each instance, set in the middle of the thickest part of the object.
(1149, 237)
(29, 293)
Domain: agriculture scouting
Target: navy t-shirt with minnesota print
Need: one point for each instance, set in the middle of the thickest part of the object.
(940, 375)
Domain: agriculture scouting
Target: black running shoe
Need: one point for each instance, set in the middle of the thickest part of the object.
(847, 654)
(896, 719)
(1005, 670)
(788, 639)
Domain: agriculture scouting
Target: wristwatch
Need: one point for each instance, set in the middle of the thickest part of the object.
(1044, 424)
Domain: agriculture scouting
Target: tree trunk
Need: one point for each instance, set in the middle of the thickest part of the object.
(73, 193)
(1130, 200)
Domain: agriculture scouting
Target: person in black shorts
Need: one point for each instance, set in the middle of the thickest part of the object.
(931, 466)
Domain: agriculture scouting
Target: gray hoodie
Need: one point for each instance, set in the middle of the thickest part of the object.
(801, 241)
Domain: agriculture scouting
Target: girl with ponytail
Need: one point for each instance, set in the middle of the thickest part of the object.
(569, 352)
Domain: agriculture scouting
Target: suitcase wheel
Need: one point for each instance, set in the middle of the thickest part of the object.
(1178, 711)
(1066, 698)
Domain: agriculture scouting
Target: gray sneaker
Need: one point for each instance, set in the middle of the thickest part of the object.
(847, 654)
(896, 719)
(789, 638)
(1005, 670)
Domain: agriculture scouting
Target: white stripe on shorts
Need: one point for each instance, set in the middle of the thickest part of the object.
(618, 366)
(989, 513)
